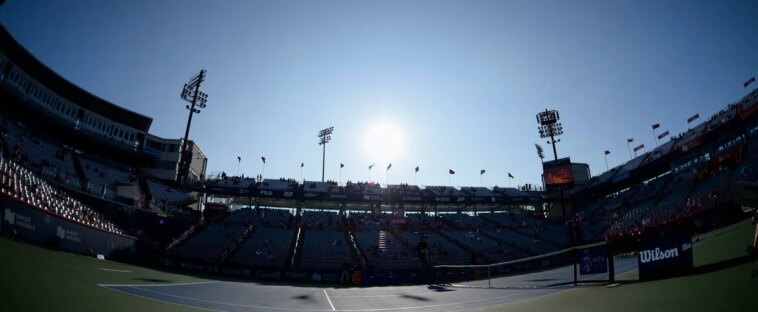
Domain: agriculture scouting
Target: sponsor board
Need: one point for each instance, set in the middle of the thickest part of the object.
(593, 261)
(665, 256)
(36, 226)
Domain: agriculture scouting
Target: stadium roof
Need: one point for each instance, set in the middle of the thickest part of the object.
(51, 80)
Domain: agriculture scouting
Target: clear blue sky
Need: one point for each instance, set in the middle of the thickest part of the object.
(461, 81)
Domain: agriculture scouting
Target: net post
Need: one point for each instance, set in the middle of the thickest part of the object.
(489, 278)
(576, 280)
(611, 264)
(575, 255)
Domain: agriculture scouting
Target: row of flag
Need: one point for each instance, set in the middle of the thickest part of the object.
(450, 171)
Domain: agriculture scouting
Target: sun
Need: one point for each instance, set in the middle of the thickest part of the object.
(384, 142)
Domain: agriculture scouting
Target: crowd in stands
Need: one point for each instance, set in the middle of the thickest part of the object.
(49, 161)
(23, 185)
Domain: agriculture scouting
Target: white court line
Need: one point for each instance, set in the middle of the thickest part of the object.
(225, 303)
(330, 300)
(155, 285)
(115, 270)
(358, 310)
(163, 301)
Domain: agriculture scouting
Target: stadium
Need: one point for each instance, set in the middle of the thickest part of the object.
(100, 212)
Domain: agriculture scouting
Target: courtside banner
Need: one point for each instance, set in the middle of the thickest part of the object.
(36, 226)
(593, 261)
(666, 256)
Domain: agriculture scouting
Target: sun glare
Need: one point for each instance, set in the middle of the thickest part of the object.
(384, 141)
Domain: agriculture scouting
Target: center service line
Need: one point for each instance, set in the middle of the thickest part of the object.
(330, 300)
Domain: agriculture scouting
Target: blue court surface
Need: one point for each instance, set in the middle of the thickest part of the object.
(244, 296)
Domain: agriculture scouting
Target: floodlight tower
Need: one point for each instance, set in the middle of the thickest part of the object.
(324, 136)
(550, 127)
(198, 100)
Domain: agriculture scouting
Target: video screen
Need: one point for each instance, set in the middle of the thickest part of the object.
(558, 174)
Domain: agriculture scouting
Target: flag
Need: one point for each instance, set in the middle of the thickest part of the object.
(389, 166)
(748, 82)
(691, 119)
(482, 172)
(540, 152)
(450, 171)
(630, 140)
(371, 166)
(416, 168)
(302, 164)
(263, 159)
(639, 147)
(656, 126)
(510, 175)
(239, 159)
(607, 152)
(342, 165)
(663, 135)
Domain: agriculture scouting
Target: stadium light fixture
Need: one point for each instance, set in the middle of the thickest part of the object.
(550, 127)
(198, 100)
(324, 136)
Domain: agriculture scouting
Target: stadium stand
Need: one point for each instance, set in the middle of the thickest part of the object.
(22, 185)
(325, 250)
(441, 250)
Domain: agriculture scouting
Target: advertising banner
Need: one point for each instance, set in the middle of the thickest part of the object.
(593, 261)
(37, 226)
(666, 256)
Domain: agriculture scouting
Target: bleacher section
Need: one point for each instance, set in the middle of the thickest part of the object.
(318, 187)
(321, 220)
(163, 195)
(325, 250)
(266, 247)
(278, 185)
(443, 190)
(385, 252)
(23, 185)
(51, 162)
(441, 250)
(103, 179)
(491, 248)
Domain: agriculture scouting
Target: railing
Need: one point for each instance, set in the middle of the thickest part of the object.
(182, 237)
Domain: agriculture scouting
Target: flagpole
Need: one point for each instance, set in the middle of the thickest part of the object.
(655, 138)
(340, 175)
(606, 161)
(629, 146)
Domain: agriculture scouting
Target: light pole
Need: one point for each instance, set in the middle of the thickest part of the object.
(324, 136)
(198, 100)
(551, 128)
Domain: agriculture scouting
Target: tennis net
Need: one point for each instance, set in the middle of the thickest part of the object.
(591, 263)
